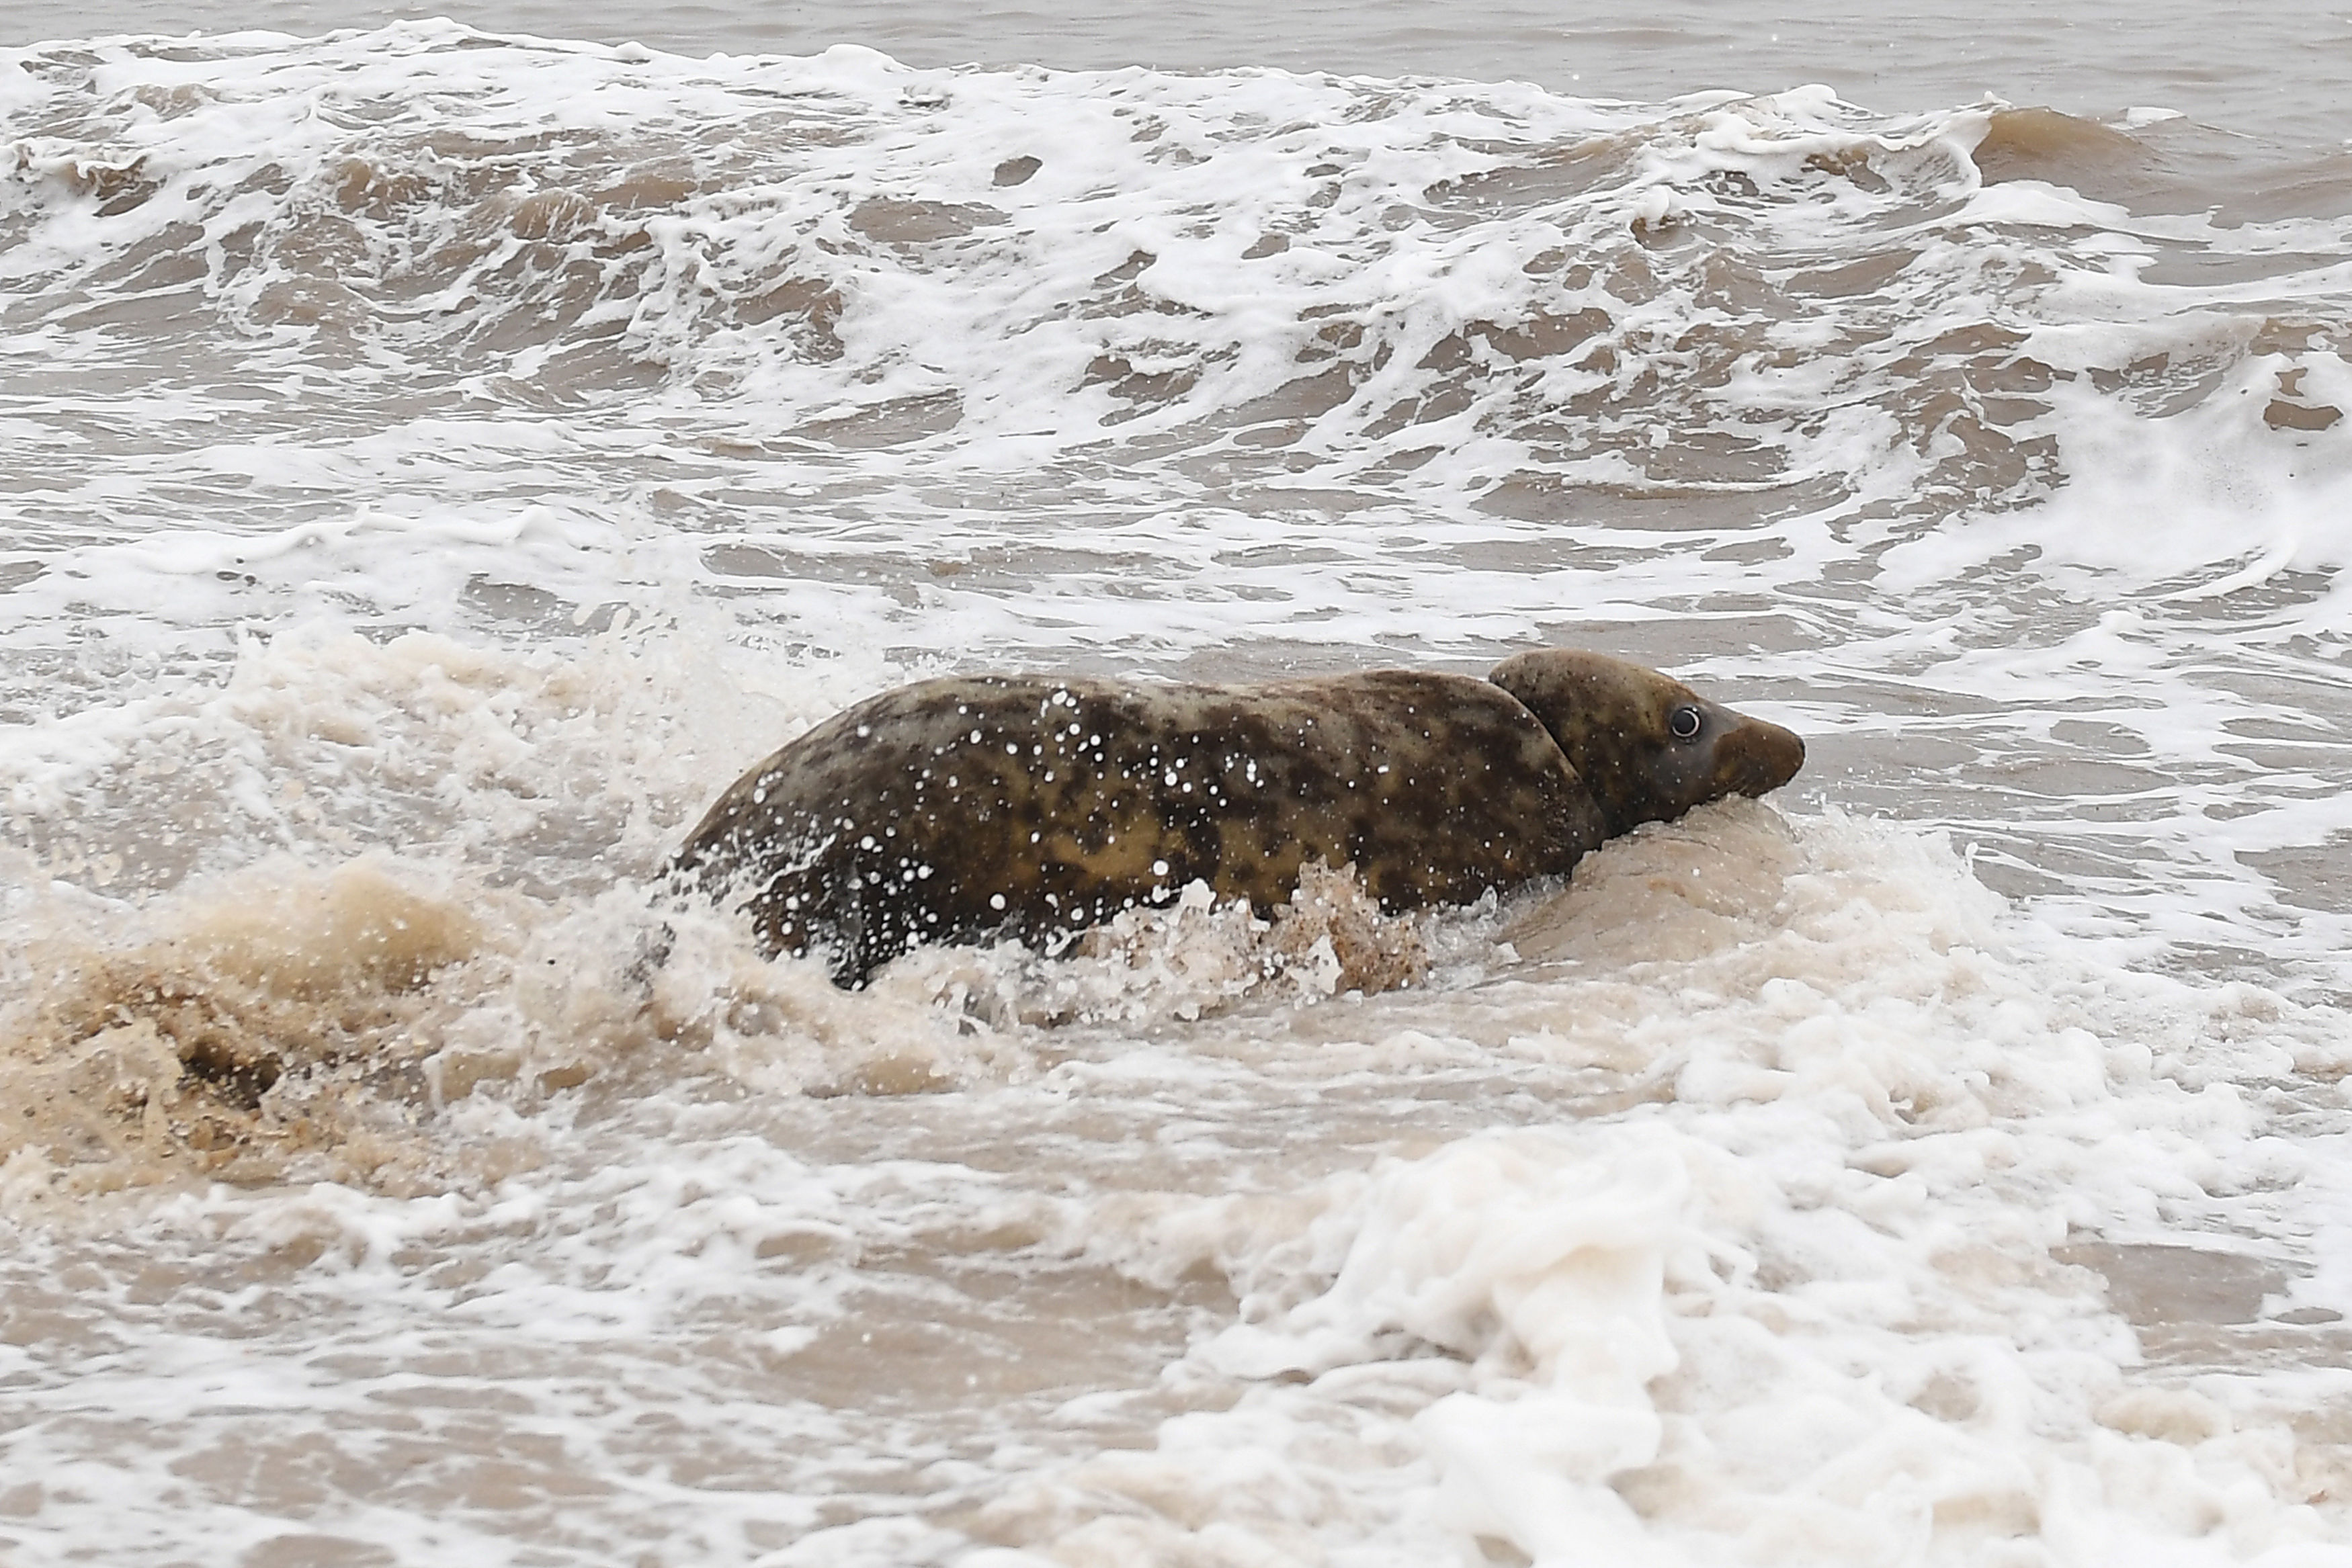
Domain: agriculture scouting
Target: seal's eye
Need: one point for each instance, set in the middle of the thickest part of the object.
(1683, 723)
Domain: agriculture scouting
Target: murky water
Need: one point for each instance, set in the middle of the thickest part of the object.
(441, 461)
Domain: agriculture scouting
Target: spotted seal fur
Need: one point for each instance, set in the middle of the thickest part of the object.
(1034, 806)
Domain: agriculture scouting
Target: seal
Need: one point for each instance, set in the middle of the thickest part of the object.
(1032, 806)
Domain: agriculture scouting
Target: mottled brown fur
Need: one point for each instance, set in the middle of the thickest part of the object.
(1034, 807)
(1615, 722)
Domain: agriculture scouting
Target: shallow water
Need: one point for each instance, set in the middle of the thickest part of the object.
(442, 461)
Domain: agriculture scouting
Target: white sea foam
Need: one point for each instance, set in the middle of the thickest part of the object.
(1342, 364)
(1807, 1232)
(1819, 1303)
(440, 463)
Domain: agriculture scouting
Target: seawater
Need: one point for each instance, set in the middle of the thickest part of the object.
(440, 458)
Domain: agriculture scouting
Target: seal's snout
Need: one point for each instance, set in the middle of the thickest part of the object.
(1754, 758)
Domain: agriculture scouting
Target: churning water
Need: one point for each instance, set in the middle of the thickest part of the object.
(439, 460)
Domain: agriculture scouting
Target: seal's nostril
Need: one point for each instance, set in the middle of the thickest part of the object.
(1757, 759)
(1783, 755)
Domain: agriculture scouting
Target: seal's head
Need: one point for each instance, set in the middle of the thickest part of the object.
(1646, 745)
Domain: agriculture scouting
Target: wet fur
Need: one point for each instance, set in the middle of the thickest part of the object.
(1034, 807)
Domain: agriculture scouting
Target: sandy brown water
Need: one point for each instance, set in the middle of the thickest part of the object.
(438, 463)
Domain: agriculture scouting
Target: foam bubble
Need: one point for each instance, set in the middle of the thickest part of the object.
(554, 429)
(1824, 1299)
